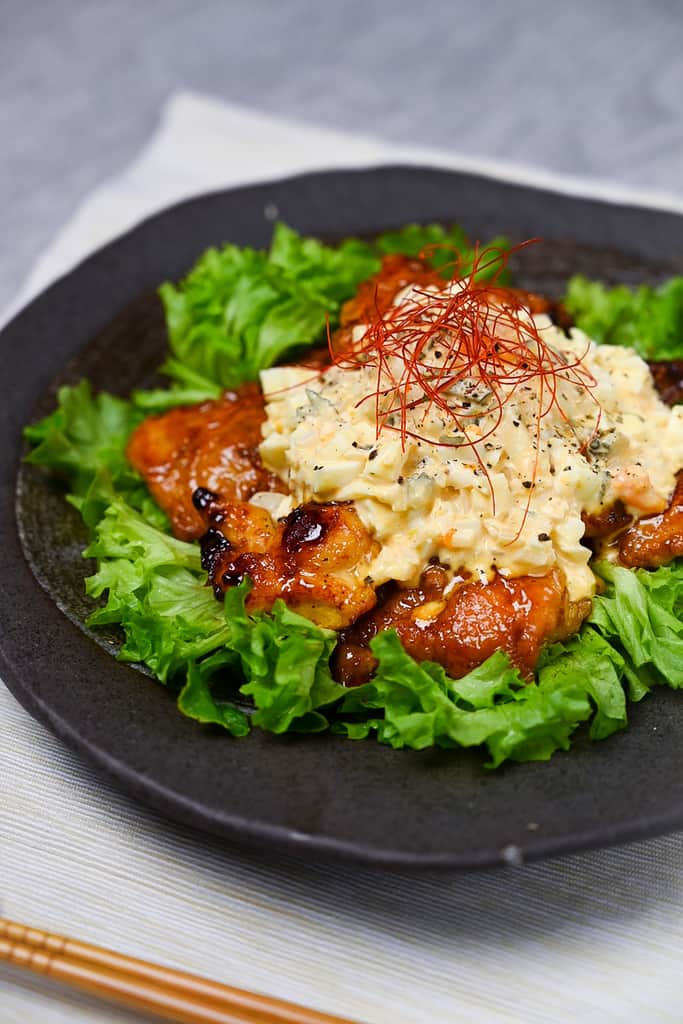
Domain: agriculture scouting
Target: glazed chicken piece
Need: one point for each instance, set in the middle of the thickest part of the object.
(655, 540)
(378, 292)
(213, 445)
(606, 523)
(668, 378)
(464, 628)
(397, 272)
(315, 559)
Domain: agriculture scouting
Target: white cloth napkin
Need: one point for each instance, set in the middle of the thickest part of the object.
(593, 937)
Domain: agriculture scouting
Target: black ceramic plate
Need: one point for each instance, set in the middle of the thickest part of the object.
(326, 794)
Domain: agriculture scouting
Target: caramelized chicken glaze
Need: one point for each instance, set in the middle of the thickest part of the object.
(213, 445)
(655, 540)
(668, 378)
(462, 629)
(378, 292)
(315, 559)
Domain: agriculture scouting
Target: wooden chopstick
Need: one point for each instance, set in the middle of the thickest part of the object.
(149, 988)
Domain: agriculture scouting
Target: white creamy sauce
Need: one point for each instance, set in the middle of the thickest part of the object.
(497, 490)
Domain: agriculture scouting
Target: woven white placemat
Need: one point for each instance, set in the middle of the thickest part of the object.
(595, 937)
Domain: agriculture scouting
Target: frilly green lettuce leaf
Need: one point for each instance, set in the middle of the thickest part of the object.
(285, 659)
(492, 705)
(156, 589)
(440, 245)
(636, 615)
(650, 320)
(85, 435)
(240, 310)
(197, 700)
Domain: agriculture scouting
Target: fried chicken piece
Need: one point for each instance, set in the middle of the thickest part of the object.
(655, 540)
(607, 522)
(213, 445)
(378, 293)
(462, 629)
(315, 559)
(668, 378)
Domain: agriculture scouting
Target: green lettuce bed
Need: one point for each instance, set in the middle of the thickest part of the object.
(238, 311)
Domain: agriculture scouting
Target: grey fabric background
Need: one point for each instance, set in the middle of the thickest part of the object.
(590, 87)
